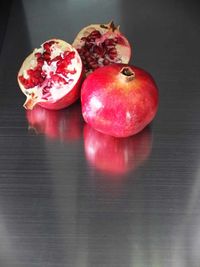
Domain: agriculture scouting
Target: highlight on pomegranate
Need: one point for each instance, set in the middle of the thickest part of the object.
(100, 45)
(65, 125)
(51, 75)
(126, 154)
(119, 100)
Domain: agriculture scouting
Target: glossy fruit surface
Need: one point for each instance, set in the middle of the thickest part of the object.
(116, 156)
(65, 125)
(100, 45)
(119, 100)
(51, 75)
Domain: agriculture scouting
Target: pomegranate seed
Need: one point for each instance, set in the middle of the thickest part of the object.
(40, 60)
(43, 74)
(45, 90)
(41, 79)
(46, 55)
(88, 45)
(107, 48)
(90, 39)
(112, 56)
(109, 42)
(57, 78)
(112, 50)
(34, 81)
(87, 54)
(69, 55)
(94, 65)
(38, 55)
(79, 50)
(56, 58)
(98, 50)
(90, 59)
(48, 45)
(37, 74)
(106, 61)
(22, 79)
(61, 68)
(112, 53)
(95, 34)
(30, 72)
(52, 42)
(84, 49)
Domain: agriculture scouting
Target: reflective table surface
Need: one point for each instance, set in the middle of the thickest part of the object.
(70, 196)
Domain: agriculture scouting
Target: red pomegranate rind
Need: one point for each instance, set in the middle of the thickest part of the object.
(51, 76)
(100, 45)
(119, 100)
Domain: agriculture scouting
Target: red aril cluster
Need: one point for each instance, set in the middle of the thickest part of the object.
(117, 99)
(51, 75)
(100, 45)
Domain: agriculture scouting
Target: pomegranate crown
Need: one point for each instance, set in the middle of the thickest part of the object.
(110, 26)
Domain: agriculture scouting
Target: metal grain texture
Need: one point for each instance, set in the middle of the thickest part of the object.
(60, 203)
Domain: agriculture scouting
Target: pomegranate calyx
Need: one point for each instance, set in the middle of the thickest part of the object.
(127, 73)
(111, 26)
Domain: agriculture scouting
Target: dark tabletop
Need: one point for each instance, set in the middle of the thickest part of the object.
(72, 197)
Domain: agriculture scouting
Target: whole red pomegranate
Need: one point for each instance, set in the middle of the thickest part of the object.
(65, 125)
(119, 100)
(51, 75)
(100, 45)
(116, 156)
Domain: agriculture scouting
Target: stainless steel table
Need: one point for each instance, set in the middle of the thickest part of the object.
(72, 197)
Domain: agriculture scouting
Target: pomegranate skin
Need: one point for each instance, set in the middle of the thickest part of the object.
(119, 100)
(67, 100)
(51, 76)
(102, 44)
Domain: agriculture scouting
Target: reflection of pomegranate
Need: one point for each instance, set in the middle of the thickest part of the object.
(114, 155)
(63, 124)
(100, 45)
(51, 75)
(119, 100)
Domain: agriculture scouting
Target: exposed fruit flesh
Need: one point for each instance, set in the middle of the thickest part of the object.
(49, 72)
(100, 45)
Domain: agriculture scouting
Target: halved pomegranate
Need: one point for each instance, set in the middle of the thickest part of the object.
(51, 75)
(100, 45)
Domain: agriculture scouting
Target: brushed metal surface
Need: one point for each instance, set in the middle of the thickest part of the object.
(72, 197)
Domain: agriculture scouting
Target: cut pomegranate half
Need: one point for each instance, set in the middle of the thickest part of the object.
(51, 75)
(100, 45)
